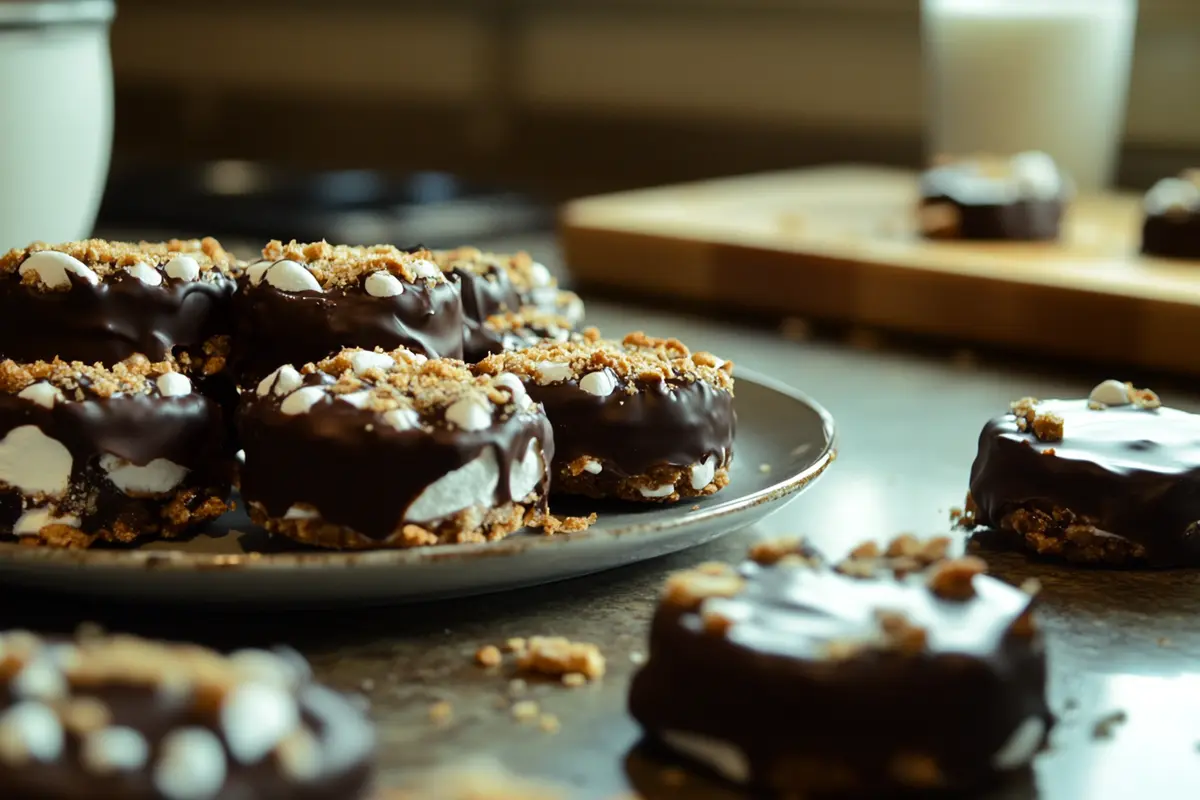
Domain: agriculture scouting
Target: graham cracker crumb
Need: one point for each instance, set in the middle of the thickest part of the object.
(900, 634)
(953, 579)
(574, 679)
(515, 644)
(552, 524)
(525, 711)
(556, 656)
(78, 381)
(1143, 398)
(716, 624)
(549, 723)
(868, 549)
(441, 713)
(341, 266)
(688, 589)
(488, 656)
(1023, 410)
(107, 258)
(1048, 427)
(794, 550)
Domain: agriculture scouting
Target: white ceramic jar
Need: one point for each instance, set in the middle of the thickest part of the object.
(56, 118)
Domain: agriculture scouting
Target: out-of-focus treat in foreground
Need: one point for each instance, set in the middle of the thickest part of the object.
(1172, 225)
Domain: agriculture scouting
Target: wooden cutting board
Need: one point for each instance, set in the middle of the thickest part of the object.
(839, 243)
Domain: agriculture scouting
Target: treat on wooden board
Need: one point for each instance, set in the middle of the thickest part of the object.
(101, 302)
(497, 285)
(1113, 479)
(305, 302)
(124, 718)
(381, 450)
(1172, 225)
(641, 419)
(89, 454)
(1021, 198)
(795, 679)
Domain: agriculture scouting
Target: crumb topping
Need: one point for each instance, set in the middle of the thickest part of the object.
(904, 555)
(106, 258)
(687, 590)
(787, 551)
(954, 579)
(557, 656)
(342, 266)
(637, 357)
(531, 320)
(135, 375)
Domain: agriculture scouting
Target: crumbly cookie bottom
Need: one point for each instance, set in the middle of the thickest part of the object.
(1063, 534)
(573, 479)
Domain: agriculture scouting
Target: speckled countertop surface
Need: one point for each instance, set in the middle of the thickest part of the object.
(908, 420)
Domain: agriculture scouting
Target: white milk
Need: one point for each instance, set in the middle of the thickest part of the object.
(1005, 76)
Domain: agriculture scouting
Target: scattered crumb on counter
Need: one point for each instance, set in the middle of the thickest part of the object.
(515, 645)
(481, 778)
(637, 657)
(525, 711)
(574, 679)
(488, 656)
(551, 524)
(765, 469)
(549, 723)
(517, 686)
(1105, 727)
(441, 713)
(554, 656)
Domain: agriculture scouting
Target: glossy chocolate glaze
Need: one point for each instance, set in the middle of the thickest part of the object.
(662, 423)
(1172, 235)
(112, 320)
(993, 208)
(357, 470)
(483, 295)
(767, 687)
(1131, 472)
(274, 327)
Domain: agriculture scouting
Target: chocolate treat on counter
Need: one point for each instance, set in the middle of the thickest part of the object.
(1113, 479)
(107, 455)
(305, 302)
(1016, 199)
(101, 302)
(385, 450)
(642, 419)
(496, 285)
(123, 718)
(1172, 226)
(501, 333)
(796, 680)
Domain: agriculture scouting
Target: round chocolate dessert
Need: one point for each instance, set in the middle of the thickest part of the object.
(373, 450)
(797, 680)
(1016, 199)
(89, 454)
(642, 419)
(305, 302)
(102, 302)
(1172, 225)
(122, 718)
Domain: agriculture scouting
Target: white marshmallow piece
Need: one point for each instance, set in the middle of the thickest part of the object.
(33, 462)
(600, 384)
(1111, 392)
(357, 399)
(51, 268)
(40, 679)
(402, 419)
(1172, 193)
(160, 475)
(182, 268)
(727, 759)
(296, 512)
(145, 273)
(43, 393)
(364, 360)
(291, 276)
(1021, 746)
(425, 269)
(383, 284)
(527, 473)
(520, 397)
(257, 270)
(702, 473)
(593, 467)
(284, 380)
(540, 275)
(470, 485)
(658, 491)
(1037, 175)
(191, 765)
(255, 717)
(173, 384)
(301, 400)
(114, 749)
(31, 521)
(29, 729)
(552, 372)
(471, 413)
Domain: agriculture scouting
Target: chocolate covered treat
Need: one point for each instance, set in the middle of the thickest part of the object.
(1172, 225)
(796, 680)
(123, 718)
(107, 455)
(1017, 199)
(505, 332)
(498, 285)
(102, 302)
(305, 302)
(1113, 479)
(372, 450)
(642, 419)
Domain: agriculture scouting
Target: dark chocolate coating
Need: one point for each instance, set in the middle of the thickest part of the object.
(1172, 235)
(484, 295)
(1129, 471)
(155, 713)
(988, 211)
(189, 430)
(767, 687)
(274, 328)
(112, 320)
(662, 423)
(365, 479)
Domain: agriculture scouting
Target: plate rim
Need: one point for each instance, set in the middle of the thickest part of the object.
(142, 559)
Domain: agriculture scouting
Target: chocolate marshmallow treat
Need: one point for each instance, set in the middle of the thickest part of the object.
(383, 450)
(1172, 225)
(642, 419)
(89, 454)
(122, 718)
(496, 285)
(1113, 479)
(1017, 199)
(305, 302)
(898, 672)
(102, 302)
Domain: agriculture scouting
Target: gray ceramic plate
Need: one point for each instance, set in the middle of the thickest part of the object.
(236, 562)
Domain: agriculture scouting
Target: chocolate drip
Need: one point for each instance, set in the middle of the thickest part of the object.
(663, 423)
(1128, 471)
(275, 328)
(112, 320)
(1175, 234)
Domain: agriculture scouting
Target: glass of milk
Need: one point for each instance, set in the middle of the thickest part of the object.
(1007, 76)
